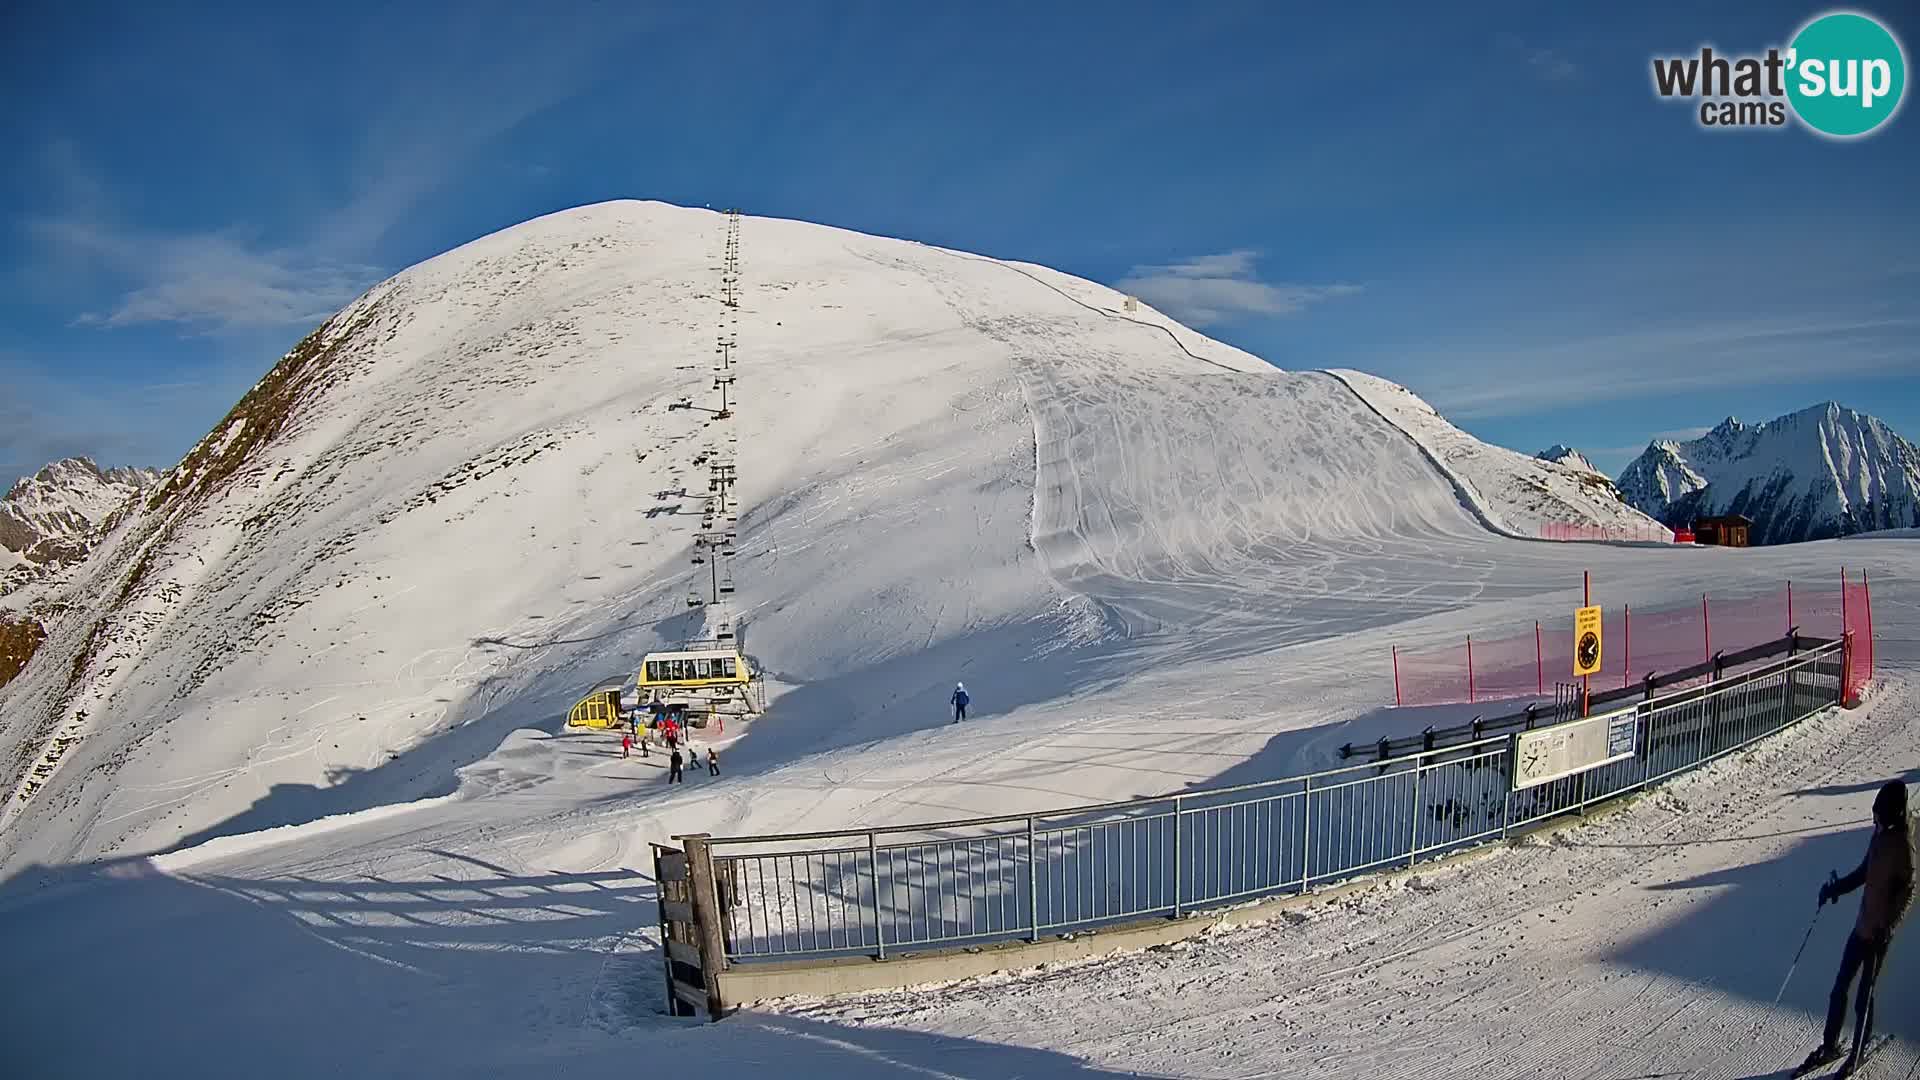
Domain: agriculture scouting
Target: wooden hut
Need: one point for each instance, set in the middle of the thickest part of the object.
(1725, 530)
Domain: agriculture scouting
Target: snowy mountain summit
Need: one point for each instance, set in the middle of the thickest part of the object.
(1824, 471)
(47, 518)
(1568, 456)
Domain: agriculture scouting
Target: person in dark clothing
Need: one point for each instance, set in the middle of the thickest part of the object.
(713, 762)
(959, 700)
(1886, 880)
(673, 769)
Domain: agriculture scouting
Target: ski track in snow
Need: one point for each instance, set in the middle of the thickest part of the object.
(1650, 942)
(1128, 539)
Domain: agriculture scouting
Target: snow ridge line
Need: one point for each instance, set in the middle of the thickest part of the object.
(1175, 338)
(1465, 491)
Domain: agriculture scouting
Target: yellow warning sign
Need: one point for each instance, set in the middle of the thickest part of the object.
(1586, 641)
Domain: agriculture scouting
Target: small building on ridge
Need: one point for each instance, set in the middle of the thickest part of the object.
(1725, 530)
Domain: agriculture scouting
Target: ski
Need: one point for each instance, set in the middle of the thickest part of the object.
(1866, 1055)
(1809, 1068)
(1846, 1066)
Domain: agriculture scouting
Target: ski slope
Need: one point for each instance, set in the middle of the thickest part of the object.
(319, 811)
(506, 932)
(1510, 492)
(1650, 943)
(473, 504)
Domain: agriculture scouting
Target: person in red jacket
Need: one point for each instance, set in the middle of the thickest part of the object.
(1886, 880)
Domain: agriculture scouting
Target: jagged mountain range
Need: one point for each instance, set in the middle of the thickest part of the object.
(49, 518)
(1821, 472)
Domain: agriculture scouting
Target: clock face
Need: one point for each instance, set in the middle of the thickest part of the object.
(1589, 649)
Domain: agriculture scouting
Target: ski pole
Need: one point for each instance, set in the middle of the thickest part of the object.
(1796, 957)
(1802, 950)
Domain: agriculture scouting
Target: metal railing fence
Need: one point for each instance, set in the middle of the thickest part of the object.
(987, 880)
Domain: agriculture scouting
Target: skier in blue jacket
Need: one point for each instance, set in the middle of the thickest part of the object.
(959, 700)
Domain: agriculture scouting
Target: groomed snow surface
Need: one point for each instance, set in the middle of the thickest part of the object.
(1156, 561)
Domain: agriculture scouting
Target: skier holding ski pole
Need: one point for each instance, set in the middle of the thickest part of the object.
(1887, 878)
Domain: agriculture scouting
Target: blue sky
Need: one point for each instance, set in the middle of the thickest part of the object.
(1492, 208)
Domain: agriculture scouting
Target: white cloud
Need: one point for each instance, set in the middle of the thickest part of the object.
(1468, 382)
(1687, 434)
(1209, 289)
(210, 281)
(117, 419)
(1547, 64)
(454, 91)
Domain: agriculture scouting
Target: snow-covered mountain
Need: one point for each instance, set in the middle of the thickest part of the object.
(1511, 492)
(49, 516)
(472, 494)
(1824, 471)
(324, 665)
(1568, 456)
(56, 508)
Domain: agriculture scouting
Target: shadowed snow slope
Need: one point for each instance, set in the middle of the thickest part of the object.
(470, 496)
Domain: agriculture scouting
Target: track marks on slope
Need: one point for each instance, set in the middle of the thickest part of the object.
(1470, 500)
(1103, 312)
(1489, 968)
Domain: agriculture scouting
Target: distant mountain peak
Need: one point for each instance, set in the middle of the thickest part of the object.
(1822, 471)
(1561, 454)
(49, 518)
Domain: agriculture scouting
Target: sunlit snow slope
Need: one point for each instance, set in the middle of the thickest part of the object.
(1511, 492)
(1156, 562)
(469, 496)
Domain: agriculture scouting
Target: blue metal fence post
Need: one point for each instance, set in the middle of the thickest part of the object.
(1033, 886)
(1306, 833)
(1413, 842)
(879, 927)
(1176, 856)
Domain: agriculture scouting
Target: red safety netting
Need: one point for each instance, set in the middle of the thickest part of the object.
(1649, 533)
(1857, 613)
(1637, 643)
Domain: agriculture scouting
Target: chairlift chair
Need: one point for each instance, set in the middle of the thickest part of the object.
(693, 599)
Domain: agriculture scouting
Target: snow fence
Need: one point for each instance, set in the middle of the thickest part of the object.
(1519, 663)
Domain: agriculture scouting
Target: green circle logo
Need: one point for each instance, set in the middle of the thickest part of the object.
(1847, 74)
